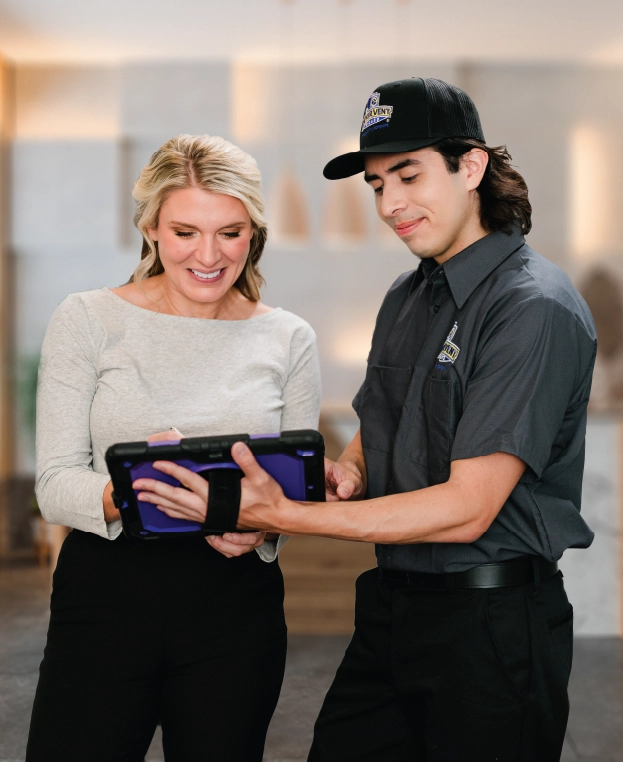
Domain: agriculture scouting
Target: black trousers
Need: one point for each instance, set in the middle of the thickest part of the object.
(463, 676)
(170, 631)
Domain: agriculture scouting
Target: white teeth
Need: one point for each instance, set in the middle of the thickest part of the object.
(206, 276)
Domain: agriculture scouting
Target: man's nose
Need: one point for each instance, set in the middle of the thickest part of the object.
(393, 201)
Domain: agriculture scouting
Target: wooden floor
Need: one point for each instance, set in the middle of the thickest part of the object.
(320, 583)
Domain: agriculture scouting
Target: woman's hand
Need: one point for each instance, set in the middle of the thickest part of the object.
(191, 504)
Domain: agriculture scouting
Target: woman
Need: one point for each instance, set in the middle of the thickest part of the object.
(189, 632)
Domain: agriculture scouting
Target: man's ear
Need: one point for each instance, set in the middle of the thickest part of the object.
(474, 163)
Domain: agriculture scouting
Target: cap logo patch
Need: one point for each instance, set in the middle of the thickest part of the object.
(375, 115)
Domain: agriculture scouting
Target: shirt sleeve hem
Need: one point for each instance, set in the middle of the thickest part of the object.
(269, 551)
(500, 445)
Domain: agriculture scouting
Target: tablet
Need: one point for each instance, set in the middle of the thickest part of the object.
(295, 459)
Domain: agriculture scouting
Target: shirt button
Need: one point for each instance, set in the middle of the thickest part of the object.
(436, 308)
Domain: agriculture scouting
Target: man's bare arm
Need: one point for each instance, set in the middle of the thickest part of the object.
(460, 510)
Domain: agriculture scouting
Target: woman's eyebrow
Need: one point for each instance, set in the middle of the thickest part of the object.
(239, 224)
(183, 224)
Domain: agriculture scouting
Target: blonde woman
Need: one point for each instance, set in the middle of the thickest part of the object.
(189, 632)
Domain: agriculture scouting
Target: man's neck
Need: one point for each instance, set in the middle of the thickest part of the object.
(473, 231)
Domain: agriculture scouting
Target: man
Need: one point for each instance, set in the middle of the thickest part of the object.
(467, 468)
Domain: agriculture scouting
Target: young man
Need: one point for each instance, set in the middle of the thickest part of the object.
(468, 464)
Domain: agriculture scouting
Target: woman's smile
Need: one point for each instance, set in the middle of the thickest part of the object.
(208, 277)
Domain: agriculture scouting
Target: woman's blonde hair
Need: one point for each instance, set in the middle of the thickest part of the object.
(212, 164)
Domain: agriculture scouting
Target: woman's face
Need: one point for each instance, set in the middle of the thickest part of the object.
(203, 242)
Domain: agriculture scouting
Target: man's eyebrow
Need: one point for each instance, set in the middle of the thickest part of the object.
(403, 164)
(394, 168)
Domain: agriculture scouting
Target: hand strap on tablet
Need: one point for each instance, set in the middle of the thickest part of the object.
(223, 500)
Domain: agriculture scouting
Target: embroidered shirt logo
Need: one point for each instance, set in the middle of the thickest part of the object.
(450, 351)
(375, 114)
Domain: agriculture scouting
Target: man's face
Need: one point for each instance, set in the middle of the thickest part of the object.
(433, 211)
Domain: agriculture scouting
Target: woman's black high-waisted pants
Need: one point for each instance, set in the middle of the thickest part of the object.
(168, 631)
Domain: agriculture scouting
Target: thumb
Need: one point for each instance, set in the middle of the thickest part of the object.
(244, 458)
(345, 489)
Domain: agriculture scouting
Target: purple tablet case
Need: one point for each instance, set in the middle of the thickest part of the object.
(295, 459)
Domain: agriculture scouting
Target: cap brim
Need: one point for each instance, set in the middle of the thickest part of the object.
(349, 164)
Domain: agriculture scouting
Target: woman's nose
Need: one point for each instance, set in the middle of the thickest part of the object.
(207, 252)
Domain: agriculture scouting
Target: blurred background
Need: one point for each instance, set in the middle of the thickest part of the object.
(89, 90)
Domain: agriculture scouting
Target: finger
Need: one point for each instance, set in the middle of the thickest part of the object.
(184, 475)
(244, 458)
(165, 436)
(217, 543)
(229, 548)
(244, 538)
(193, 508)
(345, 489)
(162, 489)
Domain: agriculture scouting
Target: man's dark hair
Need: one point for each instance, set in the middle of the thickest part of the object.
(502, 191)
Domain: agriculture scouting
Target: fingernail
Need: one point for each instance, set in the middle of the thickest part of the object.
(240, 448)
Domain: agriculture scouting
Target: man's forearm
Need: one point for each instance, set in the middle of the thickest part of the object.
(460, 510)
(433, 514)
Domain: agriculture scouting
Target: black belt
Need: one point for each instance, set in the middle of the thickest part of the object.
(518, 571)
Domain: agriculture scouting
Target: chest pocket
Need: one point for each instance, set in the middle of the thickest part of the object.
(381, 406)
(428, 425)
(437, 414)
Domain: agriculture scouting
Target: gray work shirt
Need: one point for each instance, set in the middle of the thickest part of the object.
(491, 352)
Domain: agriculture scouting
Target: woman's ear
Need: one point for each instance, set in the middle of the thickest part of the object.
(474, 163)
(152, 233)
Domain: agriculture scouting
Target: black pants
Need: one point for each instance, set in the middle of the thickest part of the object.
(463, 676)
(170, 631)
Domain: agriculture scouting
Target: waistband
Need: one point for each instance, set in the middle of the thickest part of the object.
(517, 571)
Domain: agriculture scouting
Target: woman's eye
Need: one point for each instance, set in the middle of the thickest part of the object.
(183, 233)
(234, 234)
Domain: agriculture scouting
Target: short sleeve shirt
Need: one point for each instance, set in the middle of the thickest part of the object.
(491, 352)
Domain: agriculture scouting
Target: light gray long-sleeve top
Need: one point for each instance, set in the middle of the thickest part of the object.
(114, 372)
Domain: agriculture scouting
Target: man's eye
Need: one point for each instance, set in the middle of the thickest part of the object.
(409, 179)
(234, 234)
(378, 191)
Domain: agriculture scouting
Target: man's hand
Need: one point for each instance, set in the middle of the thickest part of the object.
(261, 495)
(343, 481)
(346, 479)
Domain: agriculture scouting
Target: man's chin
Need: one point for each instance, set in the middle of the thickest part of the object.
(420, 251)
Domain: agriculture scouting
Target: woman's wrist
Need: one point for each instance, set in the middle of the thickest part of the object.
(111, 512)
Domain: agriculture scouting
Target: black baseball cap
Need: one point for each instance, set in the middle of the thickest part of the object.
(406, 115)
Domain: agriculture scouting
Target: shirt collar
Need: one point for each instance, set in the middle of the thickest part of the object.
(466, 270)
